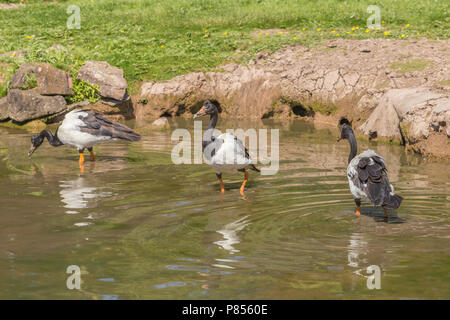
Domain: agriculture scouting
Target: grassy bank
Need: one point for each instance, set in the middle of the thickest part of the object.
(160, 39)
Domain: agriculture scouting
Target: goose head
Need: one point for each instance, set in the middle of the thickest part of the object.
(346, 132)
(208, 108)
(36, 141)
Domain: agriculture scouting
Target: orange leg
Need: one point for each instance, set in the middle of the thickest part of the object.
(81, 162)
(91, 152)
(358, 207)
(244, 182)
(222, 186)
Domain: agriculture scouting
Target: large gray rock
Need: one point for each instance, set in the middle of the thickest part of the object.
(23, 76)
(109, 79)
(49, 80)
(52, 81)
(27, 105)
(409, 114)
(4, 113)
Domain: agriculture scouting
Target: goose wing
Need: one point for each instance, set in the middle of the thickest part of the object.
(370, 177)
(372, 174)
(240, 146)
(96, 125)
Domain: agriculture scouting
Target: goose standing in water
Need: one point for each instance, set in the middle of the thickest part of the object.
(82, 129)
(367, 176)
(224, 152)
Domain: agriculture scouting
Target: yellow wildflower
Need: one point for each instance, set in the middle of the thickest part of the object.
(259, 33)
(13, 54)
(356, 28)
(162, 46)
(295, 38)
(225, 33)
(28, 37)
(403, 36)
(386, 33)
(303, 29)
(122, 31)
(267, 34)
(318, 29)
(337, 34)
(367, 30)
(382, 21)
(281, 32)
(333, 31)
(408, 25)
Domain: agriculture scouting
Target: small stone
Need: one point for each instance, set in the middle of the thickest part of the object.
(109, 79)
(161, 122)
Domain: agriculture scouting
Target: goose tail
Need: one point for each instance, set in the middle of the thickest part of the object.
(394, 202)
(122, 132)
(252, 166)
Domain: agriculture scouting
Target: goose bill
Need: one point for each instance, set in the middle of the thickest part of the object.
(32, 149)
(200, 113)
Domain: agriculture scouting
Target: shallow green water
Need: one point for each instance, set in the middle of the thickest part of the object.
(141, 227)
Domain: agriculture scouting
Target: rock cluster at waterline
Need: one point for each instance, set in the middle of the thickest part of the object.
(38, 90)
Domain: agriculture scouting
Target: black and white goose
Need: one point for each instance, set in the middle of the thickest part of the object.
(225, 153)
(82, 129)
(367, 176)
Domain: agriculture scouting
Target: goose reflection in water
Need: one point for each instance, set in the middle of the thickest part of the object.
(230, 234)
(358, 256)
(75, 194)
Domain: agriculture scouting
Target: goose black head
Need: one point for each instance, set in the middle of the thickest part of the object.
(208, 108)
(36, 141)
(346, 130)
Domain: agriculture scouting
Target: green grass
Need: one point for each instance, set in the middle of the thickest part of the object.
(411, 65)
(157, 40)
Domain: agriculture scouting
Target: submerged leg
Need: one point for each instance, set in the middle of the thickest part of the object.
(244, 182)
(385, 212)
(91, 151)
(358, 207)
(222, 186)
(81, 160)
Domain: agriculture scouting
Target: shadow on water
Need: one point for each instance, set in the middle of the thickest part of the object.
(140, 227)
(377, 215)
